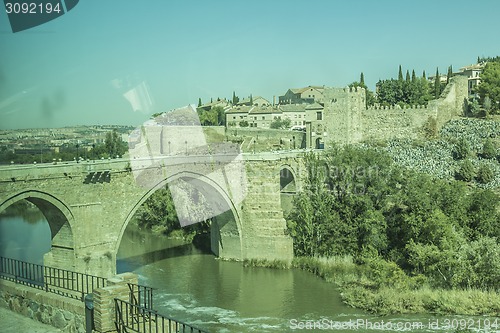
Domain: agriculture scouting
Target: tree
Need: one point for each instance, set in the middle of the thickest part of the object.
(243, 123)
(400, 74)
(466, 171)
(490, 85)
(279, 123)
(208, 117)
(489, 149)
(235, 99)
(449, 74)
(221, 115)
(474, 107)
(251, 99)
(114, 145)
(158, 210)
(199, 102)
(407, 76)
(487, 105)
(437, 84)
(485, 174)
(370, 96)
(462, 149)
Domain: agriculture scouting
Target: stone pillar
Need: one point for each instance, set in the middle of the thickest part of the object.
(104, 300)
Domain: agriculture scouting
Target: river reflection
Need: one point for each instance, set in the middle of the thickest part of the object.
(24, 234)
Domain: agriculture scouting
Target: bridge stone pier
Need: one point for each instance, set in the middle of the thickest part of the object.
(88, 205)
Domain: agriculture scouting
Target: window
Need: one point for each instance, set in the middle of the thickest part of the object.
(263, 118)
(319, 115)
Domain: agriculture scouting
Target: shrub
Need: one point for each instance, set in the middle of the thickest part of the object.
(466, 171)
(485, 174)
(462, 149)
(489, 149)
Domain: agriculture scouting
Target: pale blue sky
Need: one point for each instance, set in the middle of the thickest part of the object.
(75, 69)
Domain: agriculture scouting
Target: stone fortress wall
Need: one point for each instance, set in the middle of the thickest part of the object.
(347, 120)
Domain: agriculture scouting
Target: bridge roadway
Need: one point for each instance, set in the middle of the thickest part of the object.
(47, 168)
(78, 199)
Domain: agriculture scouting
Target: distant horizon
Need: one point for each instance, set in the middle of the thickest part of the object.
(121, 61)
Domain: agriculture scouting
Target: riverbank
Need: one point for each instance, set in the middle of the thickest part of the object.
(383, 288)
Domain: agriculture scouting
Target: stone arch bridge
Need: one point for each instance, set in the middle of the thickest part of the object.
(88, 205)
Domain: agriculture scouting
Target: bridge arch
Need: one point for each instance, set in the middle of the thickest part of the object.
(288, 178)
(288, 187)
(60, 219)
(225, 231)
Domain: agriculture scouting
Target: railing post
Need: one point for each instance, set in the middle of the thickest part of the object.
(104, 300)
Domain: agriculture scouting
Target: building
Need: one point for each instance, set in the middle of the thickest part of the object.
(236, 115)
(256, 101)
(307, 95)
(262, 116)
(222, 103)
(473, 73)
(295, 112)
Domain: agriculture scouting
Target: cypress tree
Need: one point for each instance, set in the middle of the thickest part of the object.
(251, 99)
(400, 74)
(423, 75)
(407, 76)
(437, 84)
(199, 101)
(413, 76)
(449, 75)
(234, 98)
(362, 80)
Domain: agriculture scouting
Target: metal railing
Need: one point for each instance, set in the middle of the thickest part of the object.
(135, 318)
(141, 295)
(55, 280)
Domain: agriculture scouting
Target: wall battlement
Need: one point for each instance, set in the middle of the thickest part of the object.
(346, 118)
(397, 107)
